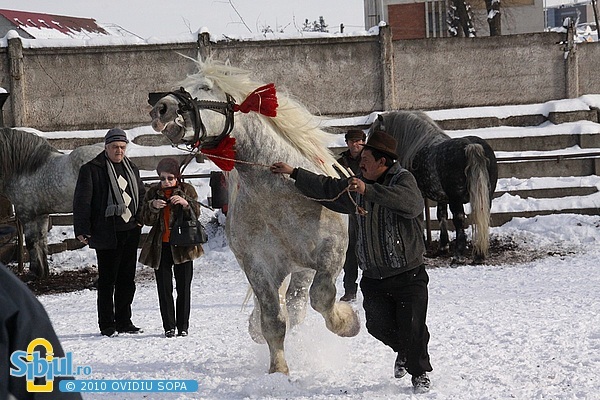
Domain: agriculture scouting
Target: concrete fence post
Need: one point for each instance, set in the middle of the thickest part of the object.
(571, 65)
(204, 49)
(386, 60)
(17, 82)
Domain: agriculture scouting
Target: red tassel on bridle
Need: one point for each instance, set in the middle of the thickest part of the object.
(223, 155)
(262, 100)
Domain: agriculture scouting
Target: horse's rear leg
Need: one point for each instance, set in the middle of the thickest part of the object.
(294, 308)
(272, 322)
(296, 296)
(442, 217)
(460, 245)
(36, 242)
(340, 318)
(254, 324)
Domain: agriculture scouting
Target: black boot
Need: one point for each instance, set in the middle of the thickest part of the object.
(400, 366)
(348, 296)
(421, 383)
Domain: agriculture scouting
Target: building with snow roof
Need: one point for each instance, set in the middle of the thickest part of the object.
(32, 25)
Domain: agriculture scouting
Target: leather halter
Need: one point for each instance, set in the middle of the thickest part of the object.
(193, 106)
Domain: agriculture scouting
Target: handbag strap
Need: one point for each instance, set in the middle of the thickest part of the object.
(179, 218)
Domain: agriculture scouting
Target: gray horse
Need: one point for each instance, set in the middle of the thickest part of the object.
(273, 230)
(38, 180)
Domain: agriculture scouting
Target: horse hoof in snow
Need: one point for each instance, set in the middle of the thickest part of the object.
(458, 260)
(478, 260)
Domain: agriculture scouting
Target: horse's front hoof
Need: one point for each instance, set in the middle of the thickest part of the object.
(478, 257)
(344, 321)
(458, 260)
(478, 260)
(431, 254)
(279, 367)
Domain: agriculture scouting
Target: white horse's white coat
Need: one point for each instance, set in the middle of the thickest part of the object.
(272, 229)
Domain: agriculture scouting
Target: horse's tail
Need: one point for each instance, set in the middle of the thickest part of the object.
(478, 181)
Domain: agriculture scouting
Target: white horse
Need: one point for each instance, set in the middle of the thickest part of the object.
(272, 229)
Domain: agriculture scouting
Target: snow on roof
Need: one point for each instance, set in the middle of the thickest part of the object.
(49, 26)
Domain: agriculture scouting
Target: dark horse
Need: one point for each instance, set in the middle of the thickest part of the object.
(449, 171)
(38, 180)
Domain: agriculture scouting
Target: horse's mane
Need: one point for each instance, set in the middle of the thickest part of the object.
(413, 130)
(21, 151)
(293, 121)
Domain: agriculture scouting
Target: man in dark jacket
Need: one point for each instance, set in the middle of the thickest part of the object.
(350, 159)
(390, 249)
(107, 216)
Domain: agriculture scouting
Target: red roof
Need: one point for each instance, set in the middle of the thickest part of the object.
(61, 23)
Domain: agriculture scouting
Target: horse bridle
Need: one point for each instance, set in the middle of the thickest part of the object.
(190, 105)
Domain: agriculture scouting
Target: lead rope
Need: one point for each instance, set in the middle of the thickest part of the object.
(359, 209)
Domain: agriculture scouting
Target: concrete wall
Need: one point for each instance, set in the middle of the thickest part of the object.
(91, 87)
(588, 58)
(101, 87)
(331, 77)
(461, 72)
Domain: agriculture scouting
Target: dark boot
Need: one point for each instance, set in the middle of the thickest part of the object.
(421, 383)
(348, 296)
(400, 367)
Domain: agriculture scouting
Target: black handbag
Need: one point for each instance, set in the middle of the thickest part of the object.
(187, 232)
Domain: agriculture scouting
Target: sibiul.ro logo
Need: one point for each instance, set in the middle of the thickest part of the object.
(31, 365)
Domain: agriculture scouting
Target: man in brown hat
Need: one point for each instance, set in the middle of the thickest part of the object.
(389, 249)
(107, 209)
(350, 159)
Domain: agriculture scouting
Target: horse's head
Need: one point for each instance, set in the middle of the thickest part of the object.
(413, 130)
(202, 116)
(199, 118)
(378, 124)
(201, 112)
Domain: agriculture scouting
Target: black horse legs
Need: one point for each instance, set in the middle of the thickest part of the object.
(460, 245)
(458, 219)
(442, 217)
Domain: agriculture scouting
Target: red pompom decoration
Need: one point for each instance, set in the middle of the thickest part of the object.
(224, 154)
(262, 100)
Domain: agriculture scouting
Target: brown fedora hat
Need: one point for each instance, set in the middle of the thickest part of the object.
(379, 140)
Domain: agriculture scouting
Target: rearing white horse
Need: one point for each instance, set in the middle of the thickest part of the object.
(272, 229)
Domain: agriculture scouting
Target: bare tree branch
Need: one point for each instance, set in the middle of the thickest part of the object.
(239, 16)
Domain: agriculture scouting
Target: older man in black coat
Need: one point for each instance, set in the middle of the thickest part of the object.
(107, 215)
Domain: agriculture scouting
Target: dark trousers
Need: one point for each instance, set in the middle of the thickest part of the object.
(116, 280)
(174, 315)
(351, 263)
(396, 310)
